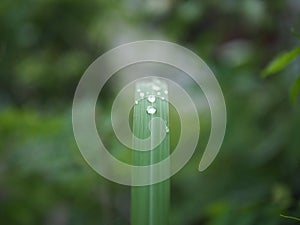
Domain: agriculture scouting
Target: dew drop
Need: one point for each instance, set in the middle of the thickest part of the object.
(136, 102)
(166, 92)
(158, 93)
(151, 110)
(167, 129)
(138, 90)
(162, 98)
(151, 98)
(142, 94)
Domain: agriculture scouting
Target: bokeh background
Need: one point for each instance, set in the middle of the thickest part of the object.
(46, 45)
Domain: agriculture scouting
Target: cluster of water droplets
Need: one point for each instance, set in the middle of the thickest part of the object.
(156, 92)
(151, 109)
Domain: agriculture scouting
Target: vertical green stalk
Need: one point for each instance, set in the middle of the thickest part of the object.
(150, 204)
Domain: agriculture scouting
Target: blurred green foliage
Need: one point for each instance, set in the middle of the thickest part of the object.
(281, 61)
(45, 46)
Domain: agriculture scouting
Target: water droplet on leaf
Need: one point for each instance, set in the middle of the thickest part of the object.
(151, 110)
(151, 98)
(167, 129)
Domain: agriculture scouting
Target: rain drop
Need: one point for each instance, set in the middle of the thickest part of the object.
(142, 94)
(136, 102)
(166, 92)
(158, 93)
(151, 110)
(151, 98)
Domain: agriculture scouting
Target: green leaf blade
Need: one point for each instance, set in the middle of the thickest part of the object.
(150, 204)
(280, 62)
(290, 217)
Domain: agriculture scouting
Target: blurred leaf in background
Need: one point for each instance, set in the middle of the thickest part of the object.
(281, 62)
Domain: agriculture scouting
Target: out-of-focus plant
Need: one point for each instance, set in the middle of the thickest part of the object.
(290, 217)
(281, 62)
(276, 65)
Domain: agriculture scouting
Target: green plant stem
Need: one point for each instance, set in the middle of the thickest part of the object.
(150, 204)
(290, 217)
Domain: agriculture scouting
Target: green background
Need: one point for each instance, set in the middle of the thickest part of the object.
(46, 45)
